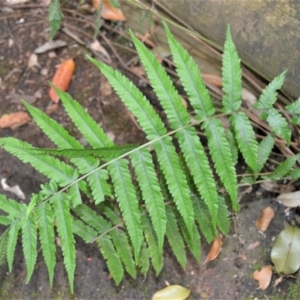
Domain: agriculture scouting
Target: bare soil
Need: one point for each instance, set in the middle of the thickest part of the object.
(227, 277)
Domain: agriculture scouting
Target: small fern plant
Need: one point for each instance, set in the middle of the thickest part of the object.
(167, 189)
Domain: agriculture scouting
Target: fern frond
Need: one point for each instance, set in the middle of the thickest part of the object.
(29, 243)
(279, 124)
(283, 169)
(112, 258)
(86, 232)
(62, 139)
(154, 251)
(294, 109)
(203, 218)
(3, 246)
(144, 261)
(5, 220)
(11, 207)
(149, 185)
(231, 76)
(128, 202)
(264, 150)
(51, 167)
(193, 242)
(94, 134)
(221, 156)
(154, 128)
(46, 236)
(75, 194)
(233, 146)
(174, 237)
(245, 137)
(63, 220)
(269, 94)
(223, 216)
(121, 243)
(12, 242)
(190, 76)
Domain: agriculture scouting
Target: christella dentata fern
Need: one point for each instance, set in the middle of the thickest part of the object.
(171, 193)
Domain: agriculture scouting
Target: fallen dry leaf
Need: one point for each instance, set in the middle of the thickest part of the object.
(108, 12)
(253, 245)
(105, 87)
(289, 199)
(62, 78)
(172, 292)
(32, 61)
(212, 79)
(13, 189)
(265, 218)
(249, 98)
(263, 277)
(215, 250)
(50, 45)
(277, 281)
(97, 47)
(14, 120)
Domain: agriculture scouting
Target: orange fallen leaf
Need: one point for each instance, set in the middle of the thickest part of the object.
(263, 276)
(265, 218)
(14, 120)
(213, 79)
(62, 78)
(215, 250)
(109, 12)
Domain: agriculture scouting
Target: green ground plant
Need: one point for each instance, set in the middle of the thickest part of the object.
(173, 192)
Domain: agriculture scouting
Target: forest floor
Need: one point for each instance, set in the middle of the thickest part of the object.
(244, 250)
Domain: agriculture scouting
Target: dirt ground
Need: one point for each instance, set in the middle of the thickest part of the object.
(227, 277)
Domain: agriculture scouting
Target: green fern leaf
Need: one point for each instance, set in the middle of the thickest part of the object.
(63, 220)
(29, 243)
(12, 207)
(75, 194)
(3, 246)
(231, 76)
(279, 124)
(154, 128)
(5, 220)
(264, 150)
(12, 242)
(98, 180)
(148, 182)
(92, 218)
(232, 146)
(155, 252)
(203, 219)
(223, 218)
(46, 236)
(121, 243)
(86, 232)
(294, 110)
(55, 17)
(245, 137)
(295, 174)
(128, 202)
(193, 242)
(283, 169)
(174, 237)
(144, 261)
(221, 156)
(269, 94)
(111, 256)
(190, 77)
(47, 165)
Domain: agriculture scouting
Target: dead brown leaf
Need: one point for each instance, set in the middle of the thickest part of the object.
(265, 218)
(277, 281)
(263, 276)
(212, 79)
(108, 11)
(14, 120)
(215, 250)
(289, 199)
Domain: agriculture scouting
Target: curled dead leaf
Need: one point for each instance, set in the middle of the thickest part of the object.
(265, 218)
(289, 199)
(172, 292)
(14, 120)
(263, 276)
(109, 12)
(215, 250)
(62, 78)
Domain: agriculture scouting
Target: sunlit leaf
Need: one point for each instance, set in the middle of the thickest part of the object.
(172, 292)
